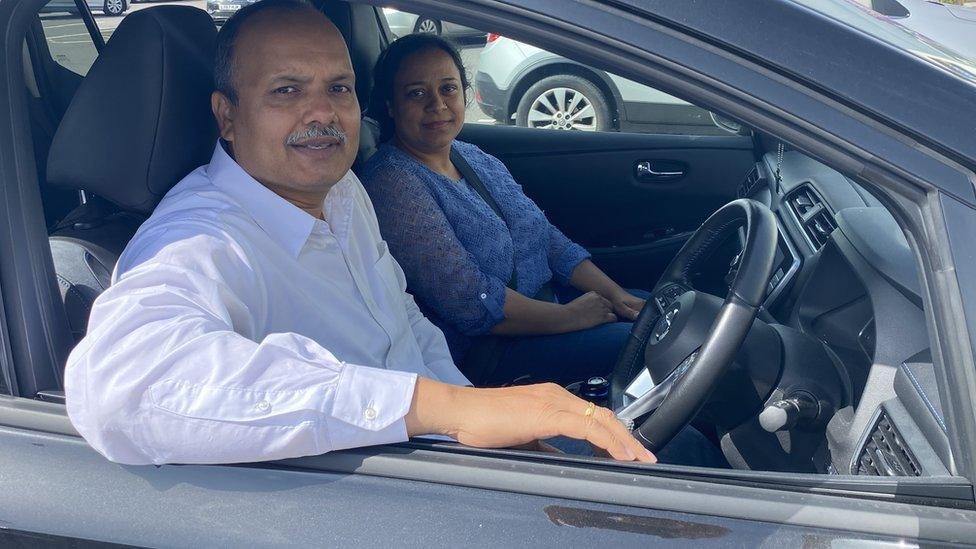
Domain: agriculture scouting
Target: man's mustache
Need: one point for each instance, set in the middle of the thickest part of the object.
(312, 132)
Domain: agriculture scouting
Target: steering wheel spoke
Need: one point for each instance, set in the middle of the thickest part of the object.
(652, 399)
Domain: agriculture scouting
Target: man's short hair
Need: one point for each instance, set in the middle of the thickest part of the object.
(227, 39)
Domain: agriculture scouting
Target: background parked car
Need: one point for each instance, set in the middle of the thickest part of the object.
(108, 7)
(403, 23)
(532, 87)
(221, 10)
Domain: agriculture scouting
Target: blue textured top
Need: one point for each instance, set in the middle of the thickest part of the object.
(456, 253)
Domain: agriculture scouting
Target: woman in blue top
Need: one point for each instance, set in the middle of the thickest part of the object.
(474, 271)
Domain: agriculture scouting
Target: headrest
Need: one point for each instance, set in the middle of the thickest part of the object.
(141, 119)
(358, 25)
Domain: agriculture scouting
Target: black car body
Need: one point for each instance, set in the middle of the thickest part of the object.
(873, 192)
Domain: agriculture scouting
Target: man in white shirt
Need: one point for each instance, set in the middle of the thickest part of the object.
(258, 314)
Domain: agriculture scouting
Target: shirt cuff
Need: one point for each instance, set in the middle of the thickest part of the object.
(569, 258)
(370, 404)
(492, 298)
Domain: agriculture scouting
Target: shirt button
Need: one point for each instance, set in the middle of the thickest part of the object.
(263, 406)
(484, 296)
(370, 414)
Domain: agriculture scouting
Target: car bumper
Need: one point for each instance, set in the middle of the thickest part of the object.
(219, 14)
(491, 100)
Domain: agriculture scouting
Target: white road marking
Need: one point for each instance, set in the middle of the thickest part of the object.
(78, 24)
(53, 38)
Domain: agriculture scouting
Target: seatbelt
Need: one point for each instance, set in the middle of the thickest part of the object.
(472, 178)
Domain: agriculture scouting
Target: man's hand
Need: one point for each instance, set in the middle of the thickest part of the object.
(626, 305)
(514, 416)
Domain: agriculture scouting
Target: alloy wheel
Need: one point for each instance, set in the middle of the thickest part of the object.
(427, 26)
(563, 109)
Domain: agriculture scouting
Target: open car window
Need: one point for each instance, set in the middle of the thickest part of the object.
(518, 84)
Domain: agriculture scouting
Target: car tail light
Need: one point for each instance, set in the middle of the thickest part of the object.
(492, 36)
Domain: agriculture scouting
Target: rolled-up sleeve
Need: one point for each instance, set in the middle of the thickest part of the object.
(564, 255)
(163, 376)
(442, 273)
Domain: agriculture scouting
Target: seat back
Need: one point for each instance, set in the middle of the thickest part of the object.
(139, 122)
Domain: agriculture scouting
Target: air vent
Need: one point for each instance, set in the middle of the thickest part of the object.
(751, 185)
(885, 454)
(812, 214)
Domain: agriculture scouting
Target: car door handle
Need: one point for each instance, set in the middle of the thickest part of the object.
(666, 171)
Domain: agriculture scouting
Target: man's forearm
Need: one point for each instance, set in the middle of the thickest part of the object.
(432, 409)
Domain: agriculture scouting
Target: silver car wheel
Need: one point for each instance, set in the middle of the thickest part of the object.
(114, 7)
(427, 26)
(563, 109)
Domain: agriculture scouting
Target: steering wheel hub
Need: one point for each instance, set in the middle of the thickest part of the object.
(680, 332)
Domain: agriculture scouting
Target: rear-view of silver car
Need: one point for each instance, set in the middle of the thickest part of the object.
(531, 87)
(402, 23)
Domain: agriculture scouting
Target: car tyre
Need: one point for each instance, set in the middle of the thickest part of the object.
(426, 25)
(564, 102)
(114, 8)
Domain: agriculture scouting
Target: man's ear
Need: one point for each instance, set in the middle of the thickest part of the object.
(223, 109)
(389, 108)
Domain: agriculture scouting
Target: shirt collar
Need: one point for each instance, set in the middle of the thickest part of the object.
(288, 225)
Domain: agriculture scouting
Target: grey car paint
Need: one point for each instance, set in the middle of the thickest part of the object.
(55, 484)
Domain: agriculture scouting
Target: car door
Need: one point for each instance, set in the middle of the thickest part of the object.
(601, 188)
(638, 171)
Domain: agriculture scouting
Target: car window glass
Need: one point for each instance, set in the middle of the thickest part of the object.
(514, 83)
(67, 37)
(71, 44)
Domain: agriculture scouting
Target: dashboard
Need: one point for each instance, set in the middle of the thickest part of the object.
(846, 277)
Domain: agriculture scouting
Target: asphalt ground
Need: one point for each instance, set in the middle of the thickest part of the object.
(72, 47)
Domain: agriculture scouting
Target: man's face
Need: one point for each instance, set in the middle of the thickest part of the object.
(293, 80)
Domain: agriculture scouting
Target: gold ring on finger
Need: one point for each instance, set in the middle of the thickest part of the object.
(590, 408)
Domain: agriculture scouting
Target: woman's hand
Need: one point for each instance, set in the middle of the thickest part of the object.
(626, 305)
(589, 310)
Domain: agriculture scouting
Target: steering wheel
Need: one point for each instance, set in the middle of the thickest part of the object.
(687, 339)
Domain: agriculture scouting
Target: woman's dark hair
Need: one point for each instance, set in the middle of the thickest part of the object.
(389, 64)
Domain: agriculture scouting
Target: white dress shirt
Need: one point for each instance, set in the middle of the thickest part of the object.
(240, 328)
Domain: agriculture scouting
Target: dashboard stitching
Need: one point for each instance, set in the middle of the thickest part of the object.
(928, 403)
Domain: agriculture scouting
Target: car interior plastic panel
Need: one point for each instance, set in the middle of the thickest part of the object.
(868, 264)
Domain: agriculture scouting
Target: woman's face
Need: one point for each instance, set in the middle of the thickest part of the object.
(428, 101)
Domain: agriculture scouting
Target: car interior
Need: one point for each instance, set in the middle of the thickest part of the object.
(832, 373)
